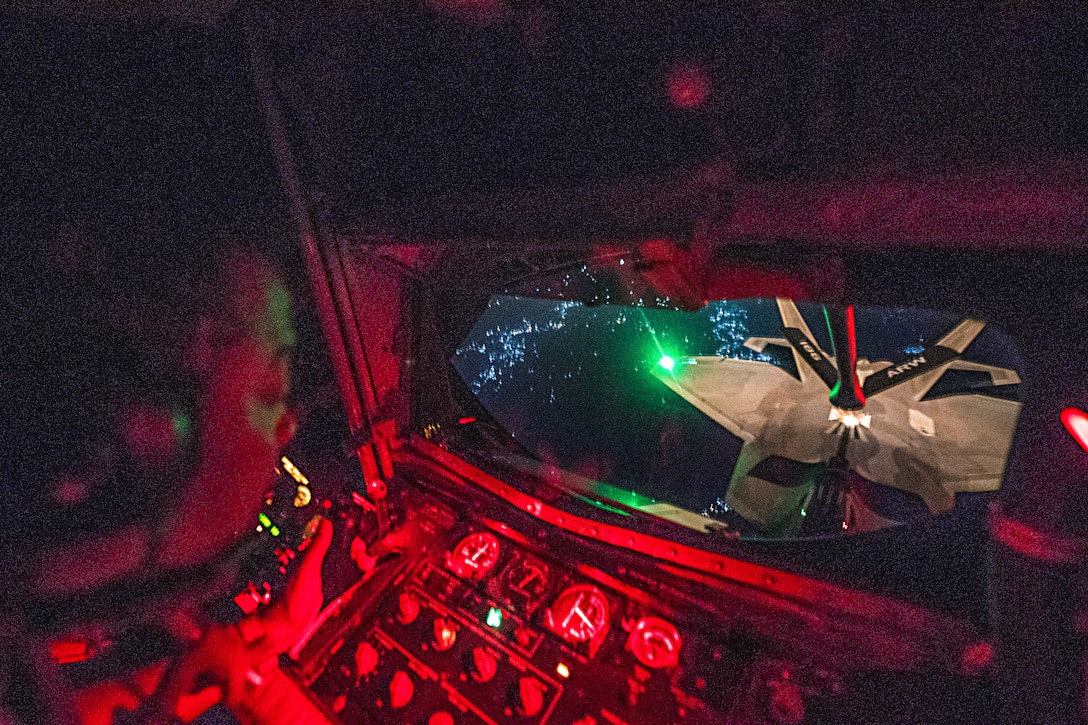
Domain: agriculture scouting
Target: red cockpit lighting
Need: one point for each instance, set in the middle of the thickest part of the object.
(688, 85)
(1076, 422)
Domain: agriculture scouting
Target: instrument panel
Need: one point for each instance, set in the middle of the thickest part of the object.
(490, 632)
(470, 611)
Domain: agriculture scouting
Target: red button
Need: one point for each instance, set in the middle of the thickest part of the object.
(444, 635)
(484, 663)
(531, 693)
(401, 690)
(407, 608)
(366, 659)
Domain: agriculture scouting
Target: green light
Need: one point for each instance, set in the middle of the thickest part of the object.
(183, 426)
(494, 617)
(666, 362)
(263, 518)
(603, 505)
(275, 531)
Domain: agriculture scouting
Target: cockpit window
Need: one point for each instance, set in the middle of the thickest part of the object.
(726, 416)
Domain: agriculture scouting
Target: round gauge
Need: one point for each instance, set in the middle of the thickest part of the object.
(527, 576)
(475, 556)
(579, 614)
(655, 642)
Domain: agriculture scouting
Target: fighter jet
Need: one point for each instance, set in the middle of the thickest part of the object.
(805, 437)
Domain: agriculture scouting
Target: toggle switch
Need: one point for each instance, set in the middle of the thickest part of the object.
(407, 608)
(484, 665)
(366, 659)
(444, 634)
(531, 695)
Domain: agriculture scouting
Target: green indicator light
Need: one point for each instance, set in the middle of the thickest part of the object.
(666, 362)
(183, 426)
(494, 617)
(263, 518)
(275, 531)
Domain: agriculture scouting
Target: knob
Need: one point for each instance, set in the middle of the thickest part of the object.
(407, 608)
(523, 637)
(444, 634)
(484, 664)
(531, 694)
(787, 703)
(440, 718)
(401, 689)
(366, 659)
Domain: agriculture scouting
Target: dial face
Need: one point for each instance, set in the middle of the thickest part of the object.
(475, 556)
(579, 614)
(655, 642)
(526, 576)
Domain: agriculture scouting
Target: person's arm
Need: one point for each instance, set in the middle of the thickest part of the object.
(233, 656)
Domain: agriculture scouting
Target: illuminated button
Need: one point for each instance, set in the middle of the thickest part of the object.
(366, 659)
(401, 690)
(484, 664)
(444, 634)
(531, 695)
(407, 608)
(523, 637)
(440, 718)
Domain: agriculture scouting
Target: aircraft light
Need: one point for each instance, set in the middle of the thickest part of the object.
(667, 362)
(1076, 422)
(850, 418)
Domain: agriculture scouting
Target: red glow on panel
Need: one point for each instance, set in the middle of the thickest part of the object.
(67, 651)
(674, 557)
(688, 85)
(977, 658)
(466, 420)
(1076, 422)
(740, 280)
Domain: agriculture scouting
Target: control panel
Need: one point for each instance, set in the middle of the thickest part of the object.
(491, 630)
(461, 610)
(491, 633)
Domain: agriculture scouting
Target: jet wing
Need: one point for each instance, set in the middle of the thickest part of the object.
(734, 393)
(927, 367)
(936, 448)
(806, 353)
